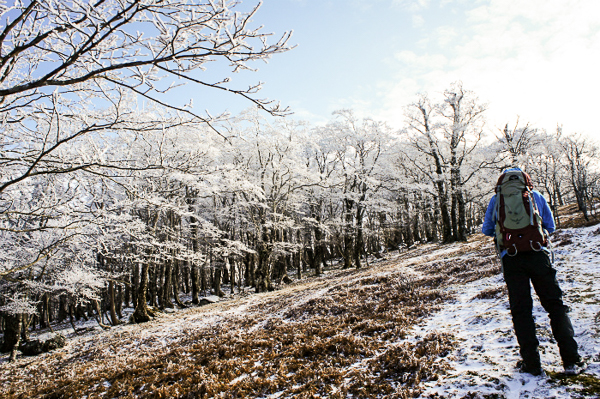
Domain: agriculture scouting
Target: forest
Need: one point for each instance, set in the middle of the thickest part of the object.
(106, 205)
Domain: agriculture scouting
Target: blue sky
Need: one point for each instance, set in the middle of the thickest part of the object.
(535, 59)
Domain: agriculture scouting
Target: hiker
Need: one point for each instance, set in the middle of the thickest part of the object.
(520, 228)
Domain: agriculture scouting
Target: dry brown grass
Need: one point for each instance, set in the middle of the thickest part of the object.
(493, 293)
(570, 217)
(331, 337)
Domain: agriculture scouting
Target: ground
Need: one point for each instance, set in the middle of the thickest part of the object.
(431, 322)
(479, 317)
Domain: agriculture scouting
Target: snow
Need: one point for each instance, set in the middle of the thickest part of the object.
(485, 362)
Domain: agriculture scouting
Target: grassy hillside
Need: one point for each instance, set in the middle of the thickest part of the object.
(430, 322)
(345, 334)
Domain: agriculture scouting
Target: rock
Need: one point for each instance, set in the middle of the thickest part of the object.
(36, 346)
(209, 299)
(32, 348)
(58, 341)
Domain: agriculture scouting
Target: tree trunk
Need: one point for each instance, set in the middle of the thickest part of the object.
(168, 284)
(454, 216)
(185, 275)
(416, 226)
(407, 223)
(152, 285)
(444, 213)
(359, 242)
(176, 284)
(298, 257)
(203, 279)
(195, 275)
(99, 315)
(428, 221)
(12, 335)
(218, 266)
(140, 315)
(25, 324)
(232, 275)
(462, 213)
(559, 195)
(195, 283)
(581, 203)
(348, 234)
(135, 285)
(225, 273)
(251, 261)
(114, 320)
(46, 312)
(263, 270)
(298, 264)
(72, 309)
(318, 255)
(119, 301)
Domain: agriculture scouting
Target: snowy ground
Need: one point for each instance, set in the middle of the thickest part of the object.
(484, 365)
(281, 340)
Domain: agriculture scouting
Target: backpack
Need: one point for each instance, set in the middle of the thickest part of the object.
(518, 221)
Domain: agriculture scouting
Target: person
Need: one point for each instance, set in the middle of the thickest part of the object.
(521, 268)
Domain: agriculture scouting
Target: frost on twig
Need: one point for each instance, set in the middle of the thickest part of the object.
(18, 304)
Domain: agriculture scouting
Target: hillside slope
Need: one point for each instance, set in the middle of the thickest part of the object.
(431, 322)
(487, 352)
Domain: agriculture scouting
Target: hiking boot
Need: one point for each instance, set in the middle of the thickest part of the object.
(535, 370)
(574, 368)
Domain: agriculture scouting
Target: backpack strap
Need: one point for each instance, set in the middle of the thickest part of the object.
(498, 240)
(532, 206)
(497, 205)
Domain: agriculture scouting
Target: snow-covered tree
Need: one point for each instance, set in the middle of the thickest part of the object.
(448, 134)
(71, 74)
(581, 162)
(360, 147)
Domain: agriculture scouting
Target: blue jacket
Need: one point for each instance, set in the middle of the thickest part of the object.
(489, 224)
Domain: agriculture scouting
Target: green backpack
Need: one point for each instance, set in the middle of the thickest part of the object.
(518, 221)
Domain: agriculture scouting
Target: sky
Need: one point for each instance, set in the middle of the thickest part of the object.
(536, 60)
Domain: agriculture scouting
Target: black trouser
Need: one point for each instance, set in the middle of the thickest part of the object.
(534, 266)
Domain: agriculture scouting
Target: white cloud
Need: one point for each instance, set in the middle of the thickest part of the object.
(537, 59)
(411, 5)
(445, 36)
(421, 62)
(418, 21)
